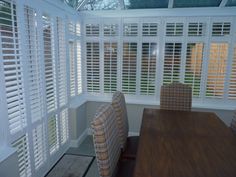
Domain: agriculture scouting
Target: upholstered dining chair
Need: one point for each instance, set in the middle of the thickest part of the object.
(107, 145)
(176, 96)
(233, 123)
(129, 145)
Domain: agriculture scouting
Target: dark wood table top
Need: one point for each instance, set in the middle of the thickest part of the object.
(185, 144)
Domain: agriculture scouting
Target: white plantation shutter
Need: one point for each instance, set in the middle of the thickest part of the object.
(49, 62)
(172, 62)
(78, 29)
(72, 28)
(148, 68)
(232, 85)
(12, 66)
(110, 67)
(62, 72)
(22, 147)
(39, 146)
(72, 68)
(150, 29)
(93, 72)
(53, 139)
(221, 28)
(130, 29)
(79, 69)
(196, 29)
(64, 126)
(193, 67)
(129, 66)
(92, 29)
(34, 67)
(110, 30)
(174, 29)
(216, 70)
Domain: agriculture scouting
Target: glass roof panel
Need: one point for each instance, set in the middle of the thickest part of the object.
(231, 3)
(73, 3)
(101, 5)
(145, 4)
(196, 3)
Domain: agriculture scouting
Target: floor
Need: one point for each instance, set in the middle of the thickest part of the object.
(86, 148)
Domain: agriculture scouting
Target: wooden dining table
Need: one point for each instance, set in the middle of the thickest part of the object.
(185, 144)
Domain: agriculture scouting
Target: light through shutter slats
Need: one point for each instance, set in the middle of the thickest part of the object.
(196, 29)
(148, 68)
(53, 139)
(130, 29)
(129, 66)
(174, 29)
(193, 67)
(22, 147)
(110, 30)
(79, 69)
(92, 29)
(33, 57)
(72, 68)
(150, 29)
(172, 62)
(221, 28)
(39, 146)
(216, 70)
(232, 85)
(12, 66)
(64, 126)
(62, 72)
(110, 67)
(49, 62)
(93, 66)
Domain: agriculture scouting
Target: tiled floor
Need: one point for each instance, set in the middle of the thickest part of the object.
(87, 149)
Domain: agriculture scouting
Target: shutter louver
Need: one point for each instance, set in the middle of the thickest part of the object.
(23, 156)
(62, 72)
(130, 29)
(216, 70)
(172, 63)
(33, 58)
(64, 126)
(232, 85)
(92, 29)
(150, 29)
(78, 29)
(174, 29)
(193, 67)
(39, 146)
(79, 69)
(53, 134)
(221, 28)
(129, 67)
(110, 30)
(49, 62)
(71, 28)
(110, 67)
(148, 68)
(196, 29)
(72, 68)
(93, 67)
(12, 67)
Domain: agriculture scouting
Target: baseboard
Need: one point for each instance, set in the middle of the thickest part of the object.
(77, 142)
(133, 133)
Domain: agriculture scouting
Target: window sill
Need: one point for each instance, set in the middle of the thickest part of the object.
(6, 152)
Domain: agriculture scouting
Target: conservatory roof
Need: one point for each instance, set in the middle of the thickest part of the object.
(145, 4)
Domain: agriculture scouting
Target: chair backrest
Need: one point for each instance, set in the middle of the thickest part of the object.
(106, 143)
(233, 123)
(119, 105)
(176, 96)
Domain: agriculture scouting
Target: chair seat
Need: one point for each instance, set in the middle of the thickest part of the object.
(125, 168)
(131, 149)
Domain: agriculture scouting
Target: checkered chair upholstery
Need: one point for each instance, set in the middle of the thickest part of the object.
(176, 96)
(119, 105)
(106, 143)
(233, 123)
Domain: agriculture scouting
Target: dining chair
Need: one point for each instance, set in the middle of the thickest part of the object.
(233, 123)
(176, 96)
(129, 144)
(107, 145)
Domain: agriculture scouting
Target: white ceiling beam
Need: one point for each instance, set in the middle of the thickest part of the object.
(122, 4)
(223, 3)
(81, 4)
(170, 4)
